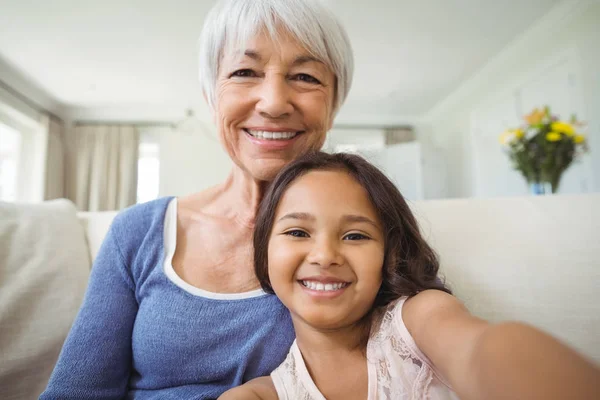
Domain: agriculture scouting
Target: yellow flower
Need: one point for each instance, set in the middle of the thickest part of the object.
(519, 133)
(563, 127)
(536, 117)
(553, 136)
(509, 135)
(579, 139)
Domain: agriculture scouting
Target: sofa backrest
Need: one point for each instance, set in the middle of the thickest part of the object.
(532, 259)
(96, 225)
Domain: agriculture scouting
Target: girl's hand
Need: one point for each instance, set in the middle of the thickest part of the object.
(505, 361)
(257, 389)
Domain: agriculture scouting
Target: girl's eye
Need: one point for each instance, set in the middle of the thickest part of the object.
(307, 78)
(297, 233)
(243, 73)
(356, 236)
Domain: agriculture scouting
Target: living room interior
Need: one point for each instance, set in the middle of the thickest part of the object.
(445, 78)
(100, 104)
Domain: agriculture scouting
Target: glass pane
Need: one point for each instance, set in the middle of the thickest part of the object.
(148, 172)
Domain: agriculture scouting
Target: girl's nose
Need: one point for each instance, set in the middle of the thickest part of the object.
(325, 253)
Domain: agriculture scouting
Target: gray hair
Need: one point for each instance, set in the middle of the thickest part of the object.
(233, 22)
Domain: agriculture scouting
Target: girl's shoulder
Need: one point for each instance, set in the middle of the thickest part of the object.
(391, 338)
(260, 388)
(400, 316)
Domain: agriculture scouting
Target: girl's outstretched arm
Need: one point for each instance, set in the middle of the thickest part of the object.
(257, 389)
(505, 361)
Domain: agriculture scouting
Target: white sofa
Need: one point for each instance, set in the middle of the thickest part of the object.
(533, 259)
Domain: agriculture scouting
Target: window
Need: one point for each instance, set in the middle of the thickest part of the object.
(148, 171)
(10, 149)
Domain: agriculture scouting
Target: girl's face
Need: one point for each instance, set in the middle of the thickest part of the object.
(326, 250)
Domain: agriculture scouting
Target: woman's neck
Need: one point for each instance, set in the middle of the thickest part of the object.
(237, 198)
(242, 195)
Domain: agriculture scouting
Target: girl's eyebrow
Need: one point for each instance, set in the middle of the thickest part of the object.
(298, 215)
(359, 218)
(346, 218)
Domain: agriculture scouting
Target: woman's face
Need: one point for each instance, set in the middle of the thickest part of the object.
(326, 250)
(274, 102)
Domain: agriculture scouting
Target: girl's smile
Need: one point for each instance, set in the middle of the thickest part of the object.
(323, 286)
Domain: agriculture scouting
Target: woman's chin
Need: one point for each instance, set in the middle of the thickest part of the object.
(265, 170)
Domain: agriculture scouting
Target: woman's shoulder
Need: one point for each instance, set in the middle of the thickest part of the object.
(137, 219)
(141, 223)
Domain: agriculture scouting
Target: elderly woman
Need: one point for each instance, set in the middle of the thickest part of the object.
(173, 309)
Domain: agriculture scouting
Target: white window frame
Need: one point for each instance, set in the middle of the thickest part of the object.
(31, 179)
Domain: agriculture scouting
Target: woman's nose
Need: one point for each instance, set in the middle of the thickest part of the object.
(325, 253)
(274, 98)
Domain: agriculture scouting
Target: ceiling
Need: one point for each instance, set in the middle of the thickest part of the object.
(115, 59)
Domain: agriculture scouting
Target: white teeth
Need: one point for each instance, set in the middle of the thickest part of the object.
(272, 135)
(327, 287)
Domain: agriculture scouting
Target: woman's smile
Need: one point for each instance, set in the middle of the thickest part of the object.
(272, 139)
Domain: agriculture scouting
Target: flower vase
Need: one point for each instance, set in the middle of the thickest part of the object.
(540, 188)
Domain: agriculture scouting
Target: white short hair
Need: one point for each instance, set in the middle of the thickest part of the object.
(234, 22)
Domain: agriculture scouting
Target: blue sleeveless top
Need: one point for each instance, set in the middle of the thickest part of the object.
(143, 333)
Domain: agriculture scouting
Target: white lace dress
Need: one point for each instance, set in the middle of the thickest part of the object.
(397, 368)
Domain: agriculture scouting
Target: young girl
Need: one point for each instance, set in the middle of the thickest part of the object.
(337, 243)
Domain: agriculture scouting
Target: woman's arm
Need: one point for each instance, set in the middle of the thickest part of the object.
(504, 361)
(95, 360)
(257, 389)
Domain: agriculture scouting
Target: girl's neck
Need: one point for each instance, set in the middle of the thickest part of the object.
(322, 348)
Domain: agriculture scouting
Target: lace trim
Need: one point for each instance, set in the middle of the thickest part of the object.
(294, 381)
(400, 372)
(409, 379)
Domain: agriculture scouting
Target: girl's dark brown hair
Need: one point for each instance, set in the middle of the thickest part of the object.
(410, 265)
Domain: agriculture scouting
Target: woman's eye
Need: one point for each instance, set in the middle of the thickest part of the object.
(307, 78)
(243, 73)
(356, 236)
(296, 233)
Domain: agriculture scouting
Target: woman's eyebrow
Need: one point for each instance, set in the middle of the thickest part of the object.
(253, 54)
(305, 59)
(298, 215)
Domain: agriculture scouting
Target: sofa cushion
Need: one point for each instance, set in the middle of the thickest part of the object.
(44, 267)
